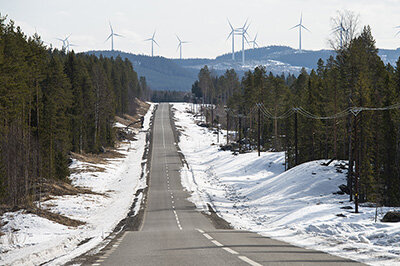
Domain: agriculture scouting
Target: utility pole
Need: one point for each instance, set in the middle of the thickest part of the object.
(217, 117)
(259, 130)
(296, 161)
(240, 129)
(356, 154)
(227, 126)
(212, 115)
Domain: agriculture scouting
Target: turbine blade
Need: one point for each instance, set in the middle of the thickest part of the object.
(230, 24)
(178, 47)
(229, 35)
(255, 37)
(245, 23)
(245, 29)
(298, 25)
(110, 26)
(305, 28)
(156, 43)
(150, 39)
(108, 37)
(154, 33)
(178, 38)
(119, 35)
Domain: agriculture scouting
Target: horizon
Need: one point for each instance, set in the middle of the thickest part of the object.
(88, 24)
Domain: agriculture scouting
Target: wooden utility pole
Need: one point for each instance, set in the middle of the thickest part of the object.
(296, 161)
(357, 159)
(240, 132)
(259, 130)
(227, 126)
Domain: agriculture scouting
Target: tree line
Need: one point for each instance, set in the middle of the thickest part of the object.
(51, 103)
(355, 77)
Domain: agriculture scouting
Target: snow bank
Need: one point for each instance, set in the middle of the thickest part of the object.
(32, 240)
(297, 206)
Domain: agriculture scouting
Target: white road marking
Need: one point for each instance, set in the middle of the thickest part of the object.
(230, 250)
(200, 231)
(162, 127)
(208, 236)
(177, 220)
(249, 261)
(99, 260)
(96, 264)
(215, 242)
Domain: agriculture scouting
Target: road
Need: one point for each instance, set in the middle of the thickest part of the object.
(173, 232)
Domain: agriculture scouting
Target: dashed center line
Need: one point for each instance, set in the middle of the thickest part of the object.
(218, 244)
(208, 236)
(249, 261)
(215, 242)
(230, 250)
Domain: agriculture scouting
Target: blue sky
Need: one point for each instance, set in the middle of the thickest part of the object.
(203, 23)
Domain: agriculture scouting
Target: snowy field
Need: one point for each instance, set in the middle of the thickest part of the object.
(297, 206)
(32, 240)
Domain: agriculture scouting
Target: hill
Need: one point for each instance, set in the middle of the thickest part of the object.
(175, 74)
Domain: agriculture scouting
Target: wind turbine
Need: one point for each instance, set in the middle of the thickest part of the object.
(112, 34)
(68, 45)
(300, 26)
(152, 42)
(340, 28)
(243, 31)
(232, 33)
(180, 46)
(65, 42)
(255, 44)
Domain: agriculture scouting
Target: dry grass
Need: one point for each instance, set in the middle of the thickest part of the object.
(100, 158)
(55, 217)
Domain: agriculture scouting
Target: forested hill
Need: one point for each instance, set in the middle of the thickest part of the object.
(161, 73)
(175, 74)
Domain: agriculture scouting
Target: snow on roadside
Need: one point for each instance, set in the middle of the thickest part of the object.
(32, 240)
(297, 206)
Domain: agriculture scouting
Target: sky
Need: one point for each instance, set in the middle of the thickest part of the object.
(203, 23)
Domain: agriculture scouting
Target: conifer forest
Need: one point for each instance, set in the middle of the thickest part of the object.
(346, 109)
(51, 103)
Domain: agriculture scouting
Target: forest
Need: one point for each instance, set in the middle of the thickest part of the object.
(51, 103)
(345, 109)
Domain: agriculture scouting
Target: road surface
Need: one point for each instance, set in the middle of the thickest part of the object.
(173, 232)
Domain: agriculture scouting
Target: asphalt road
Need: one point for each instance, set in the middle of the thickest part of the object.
(173, 232)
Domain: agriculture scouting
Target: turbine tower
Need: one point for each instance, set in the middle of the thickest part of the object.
(153, 41)
(112, 34)
(180, 46)
(341, 29)
(300, 26)
(255, 44)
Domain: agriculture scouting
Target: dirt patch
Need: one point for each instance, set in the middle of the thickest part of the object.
(49, 188)
(217, 221)
(55, 217)
(100, 158)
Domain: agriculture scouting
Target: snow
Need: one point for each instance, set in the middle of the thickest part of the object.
(296, 206)
(32, 240)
